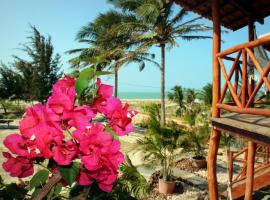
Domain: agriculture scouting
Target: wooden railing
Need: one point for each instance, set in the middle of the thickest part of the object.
(262, 161)
(243, 99)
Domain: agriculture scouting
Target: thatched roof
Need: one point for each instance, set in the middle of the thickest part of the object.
(234, 14)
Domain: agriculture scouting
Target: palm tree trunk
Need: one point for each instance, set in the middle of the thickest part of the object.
(163, 115)
(115, 80)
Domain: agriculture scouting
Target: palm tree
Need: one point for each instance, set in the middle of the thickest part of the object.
(177, 96)
(190, 96)
(206, 94)
(158, 26)
(107, 50)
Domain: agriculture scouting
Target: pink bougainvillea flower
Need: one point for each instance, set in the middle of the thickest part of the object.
(42, 135)
(105, 179)
(63, 95)
(16, 144)
(104, 91)
(39, 115)
(100, 156)
(85, 177)
(108, 173)
(120, 120)
(17, 167)
(64, 85)
(112, 105)
(104, 101)
(95, 143)
(91, 162)
(79, 117)
(90, 131)
(23, 146)
(63, 154)
(59, 102)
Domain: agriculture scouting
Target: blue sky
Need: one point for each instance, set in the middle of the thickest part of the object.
(188, 65)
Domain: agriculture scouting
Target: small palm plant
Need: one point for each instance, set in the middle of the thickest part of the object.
(132, 181)
(160, 142)
(197, 134)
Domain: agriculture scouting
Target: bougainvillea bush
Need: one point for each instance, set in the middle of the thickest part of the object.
(66, 137)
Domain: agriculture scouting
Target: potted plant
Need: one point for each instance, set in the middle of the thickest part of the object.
(196, 135)
(166, 184)
(194, 141)
(158, 146)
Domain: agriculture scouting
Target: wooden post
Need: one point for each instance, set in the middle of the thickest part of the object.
(215, 136)
(244, 77)
(251, 68)
(250, 170)
(251, 145)
(236, 79)
(244, 172)
(230, 165)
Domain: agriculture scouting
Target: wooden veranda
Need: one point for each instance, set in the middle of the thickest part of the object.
(247, 114)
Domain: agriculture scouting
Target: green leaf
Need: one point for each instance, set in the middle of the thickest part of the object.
(87, 73)
(57, 189)
(39, 178)
(70, 173)
(114, 134)
(80, 85)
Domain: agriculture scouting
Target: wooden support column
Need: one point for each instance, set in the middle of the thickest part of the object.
(251, 68)
(251, 145)
(244, 78)
(250, 170)
(215, 135)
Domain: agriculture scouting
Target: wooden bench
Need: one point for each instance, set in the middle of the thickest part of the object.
(6, 121)
(251, 127)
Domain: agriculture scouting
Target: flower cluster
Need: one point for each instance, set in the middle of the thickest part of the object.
(62, 132)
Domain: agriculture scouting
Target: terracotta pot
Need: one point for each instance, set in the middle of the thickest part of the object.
(199, 162)
(166, 187)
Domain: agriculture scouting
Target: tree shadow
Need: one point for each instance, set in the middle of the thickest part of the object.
(3, 127)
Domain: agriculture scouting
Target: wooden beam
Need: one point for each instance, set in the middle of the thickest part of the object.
(232, 59)
(250, 170)
(235, 65)
(261, 41)
(240, 132)
(244, 77)
(252, 111)
(241, 8)
(198, 3)
(231, 88)
(215, 135)
(251, 83)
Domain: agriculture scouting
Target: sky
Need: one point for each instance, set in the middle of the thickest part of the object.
(188, 65)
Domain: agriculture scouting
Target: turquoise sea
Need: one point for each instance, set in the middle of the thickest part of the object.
(139, 95)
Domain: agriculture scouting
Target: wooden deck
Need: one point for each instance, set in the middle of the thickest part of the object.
(251, 127)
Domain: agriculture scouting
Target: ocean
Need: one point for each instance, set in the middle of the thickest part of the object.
(139, 95)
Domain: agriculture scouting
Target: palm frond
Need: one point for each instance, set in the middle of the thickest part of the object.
(178, 17)
(196, 37)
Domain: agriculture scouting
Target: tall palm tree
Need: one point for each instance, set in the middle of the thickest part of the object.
(157, 25)
(107, 50)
